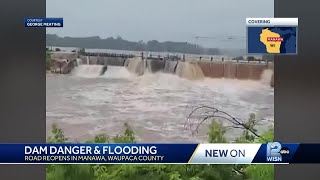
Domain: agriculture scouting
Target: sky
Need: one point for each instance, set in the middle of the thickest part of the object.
(162, 20)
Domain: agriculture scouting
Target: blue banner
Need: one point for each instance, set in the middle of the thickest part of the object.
(96, 153)
(273, 153)
(43, 22)
(276, 152)
(289, 153)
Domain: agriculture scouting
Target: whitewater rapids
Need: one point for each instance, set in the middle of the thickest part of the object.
(156, 105)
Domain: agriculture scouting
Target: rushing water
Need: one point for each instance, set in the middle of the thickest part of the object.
(155, 105)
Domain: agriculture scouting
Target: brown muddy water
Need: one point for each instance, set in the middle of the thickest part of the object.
(156, 105)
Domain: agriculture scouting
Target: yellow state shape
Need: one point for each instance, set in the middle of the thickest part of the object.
(272, 47)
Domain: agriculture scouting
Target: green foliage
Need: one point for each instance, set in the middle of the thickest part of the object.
(48, 60)
(126, 137)
(57, 135)
(247, 136)
(216, 133)
(267, 136)
(82, 51)
(162, 171)
(262, 171)
(70, 172)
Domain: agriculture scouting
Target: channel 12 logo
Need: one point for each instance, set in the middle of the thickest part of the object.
(275, 152)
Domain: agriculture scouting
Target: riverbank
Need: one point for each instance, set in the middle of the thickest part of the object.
(161, 171)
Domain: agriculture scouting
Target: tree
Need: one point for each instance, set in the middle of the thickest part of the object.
(48, 60)
(216, 134)
(121, 44)
(82, 51)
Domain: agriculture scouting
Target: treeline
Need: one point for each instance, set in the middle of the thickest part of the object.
(118, 43)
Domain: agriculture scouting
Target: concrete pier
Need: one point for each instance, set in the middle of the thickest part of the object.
(112, 61)
(212, 69)
(230, 70)
(155, 65)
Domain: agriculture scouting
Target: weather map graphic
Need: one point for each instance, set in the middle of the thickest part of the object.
(271, 37)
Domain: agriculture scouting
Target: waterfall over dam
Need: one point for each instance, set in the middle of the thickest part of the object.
(155, 96)
(189, 70)
(90, 71)
(101, 71)
(192, 70)
(136, 66)
(170, 67)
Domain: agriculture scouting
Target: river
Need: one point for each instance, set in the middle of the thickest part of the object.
(156, 105)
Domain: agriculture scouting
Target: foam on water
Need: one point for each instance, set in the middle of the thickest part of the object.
(79, 61)
(94, 71)
(117, 72)
(155, 105)
(88, 71)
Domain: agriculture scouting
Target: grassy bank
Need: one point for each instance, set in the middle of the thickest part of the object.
(162, 172)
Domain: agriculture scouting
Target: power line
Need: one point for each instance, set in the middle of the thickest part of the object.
(220, 37)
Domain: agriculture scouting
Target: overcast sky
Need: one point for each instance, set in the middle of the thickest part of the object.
(162, 20)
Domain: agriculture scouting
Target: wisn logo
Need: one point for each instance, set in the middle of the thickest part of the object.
(275, 152)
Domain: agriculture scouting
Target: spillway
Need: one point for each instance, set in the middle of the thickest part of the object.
(189, 70)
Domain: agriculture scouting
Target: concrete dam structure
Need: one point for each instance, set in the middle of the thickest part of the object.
(62, 55)
(155, 65)
(196, 70)
(232, 70)
(192, 70)
(112, 61)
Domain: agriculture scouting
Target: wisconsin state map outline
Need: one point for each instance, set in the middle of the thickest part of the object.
(259, 44)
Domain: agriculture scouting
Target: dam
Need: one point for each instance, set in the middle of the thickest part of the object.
(195, 69)
(187, 69)
(154, 96)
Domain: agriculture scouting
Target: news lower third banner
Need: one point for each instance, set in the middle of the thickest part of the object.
(273, 153)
